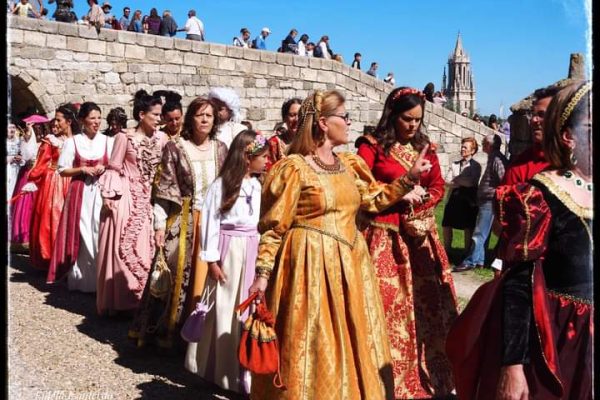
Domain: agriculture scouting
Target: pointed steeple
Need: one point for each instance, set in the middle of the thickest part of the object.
(458, 49)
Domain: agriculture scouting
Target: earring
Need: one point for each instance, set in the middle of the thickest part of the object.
(572, 157)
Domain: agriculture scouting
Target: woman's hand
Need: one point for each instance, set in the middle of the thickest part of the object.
(512, 384)
(99, 170)
(217, 273)
(108, 205)
(159, 237)
(259, 285)
(421, 165)
(415, 196)
(87, 171)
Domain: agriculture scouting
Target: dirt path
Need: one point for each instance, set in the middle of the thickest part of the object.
(58, 348)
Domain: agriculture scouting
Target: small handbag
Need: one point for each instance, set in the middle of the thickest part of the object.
(259, 347)
(420, 224)
(160, 279)
(194, 324)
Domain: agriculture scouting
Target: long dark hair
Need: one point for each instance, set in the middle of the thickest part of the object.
(396, 103)
(188, 121)
(234, 167)
(69, 111)
(118, 116)
(143, 102)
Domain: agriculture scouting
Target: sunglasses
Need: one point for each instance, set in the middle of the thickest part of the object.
(345, 117)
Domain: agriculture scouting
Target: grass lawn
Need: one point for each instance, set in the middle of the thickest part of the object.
(457, 253)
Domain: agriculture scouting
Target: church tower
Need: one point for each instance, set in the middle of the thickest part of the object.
(460, 90)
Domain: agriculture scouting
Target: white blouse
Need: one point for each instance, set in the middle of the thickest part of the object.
(245, 211)
(89, 149)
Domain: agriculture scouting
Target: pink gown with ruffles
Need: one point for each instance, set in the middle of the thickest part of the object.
(126, 247)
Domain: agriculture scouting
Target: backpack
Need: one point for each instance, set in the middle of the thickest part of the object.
(254, 43)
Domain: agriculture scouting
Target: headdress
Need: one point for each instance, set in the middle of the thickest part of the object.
(229, 97)
(579, 94)
(311, 105)
(257, 145)
(407, 91)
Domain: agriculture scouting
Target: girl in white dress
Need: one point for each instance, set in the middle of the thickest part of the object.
(229, 240)
(84, 158)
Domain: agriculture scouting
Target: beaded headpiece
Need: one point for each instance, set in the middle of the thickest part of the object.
(312, 105)
(257, 145)
(406, 92)
(582, 91)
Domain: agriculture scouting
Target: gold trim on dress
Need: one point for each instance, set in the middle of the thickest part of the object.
(324, 232)
(405, 155)
(570, 297)
(564, 197)
(385, 225)
(528, 223)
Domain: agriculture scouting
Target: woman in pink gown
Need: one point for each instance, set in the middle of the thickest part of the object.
(126, 246)
(23, 201)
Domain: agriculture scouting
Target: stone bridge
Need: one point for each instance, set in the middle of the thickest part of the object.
(52, 62)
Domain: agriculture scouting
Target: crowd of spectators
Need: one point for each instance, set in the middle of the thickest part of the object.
(102, 17)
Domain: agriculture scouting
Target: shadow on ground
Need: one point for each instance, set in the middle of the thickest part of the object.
(170, 379)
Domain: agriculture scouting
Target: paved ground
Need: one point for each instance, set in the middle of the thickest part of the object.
(58, 348)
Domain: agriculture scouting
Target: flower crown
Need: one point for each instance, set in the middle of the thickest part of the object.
(257, 145)
(406, 92)
(582, 91)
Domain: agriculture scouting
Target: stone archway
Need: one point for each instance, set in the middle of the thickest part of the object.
(27, 96)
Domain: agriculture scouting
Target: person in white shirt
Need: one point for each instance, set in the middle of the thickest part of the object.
(243, 40)
(228, 107)
(302, 43)
(390, 79)
(324, 47)
(194, 28)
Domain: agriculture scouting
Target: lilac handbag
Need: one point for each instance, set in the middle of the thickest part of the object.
(192, 329)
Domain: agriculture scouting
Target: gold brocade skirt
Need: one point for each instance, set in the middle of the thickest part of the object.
(329, 321)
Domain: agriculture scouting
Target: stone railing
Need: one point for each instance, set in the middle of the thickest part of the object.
(51, 62)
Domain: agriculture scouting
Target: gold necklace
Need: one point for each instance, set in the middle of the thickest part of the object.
(335, 167)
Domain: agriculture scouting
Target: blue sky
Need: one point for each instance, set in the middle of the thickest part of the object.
(515, 46)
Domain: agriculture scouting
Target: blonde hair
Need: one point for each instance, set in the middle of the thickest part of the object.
(565, 110)
(310, 136)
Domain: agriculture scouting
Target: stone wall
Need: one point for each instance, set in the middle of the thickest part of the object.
(57, 62)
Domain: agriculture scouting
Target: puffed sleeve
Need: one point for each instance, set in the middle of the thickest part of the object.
(166, 183)
(279, 202)
(211, 222)
(525, 219)
(43, 160)
(67, 155)
(367, 152)
(111, 181)
(433, 182)
(375, 196)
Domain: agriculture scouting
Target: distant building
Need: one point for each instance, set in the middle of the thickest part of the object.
(460, 89)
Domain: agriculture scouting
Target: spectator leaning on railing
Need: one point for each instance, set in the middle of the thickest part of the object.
(260, 42)
(194, 28)
(124, 21)
(243, 40)
(168, 25)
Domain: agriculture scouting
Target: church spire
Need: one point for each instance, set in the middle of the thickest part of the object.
(458, 49)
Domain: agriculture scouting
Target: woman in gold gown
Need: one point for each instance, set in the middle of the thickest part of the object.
(322, 287)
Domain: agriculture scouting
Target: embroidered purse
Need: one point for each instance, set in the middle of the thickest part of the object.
(194, 324)
(160, 279)
(259, 347)
(419, 224)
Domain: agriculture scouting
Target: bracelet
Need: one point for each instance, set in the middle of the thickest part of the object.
(406, 183)
(263, 272)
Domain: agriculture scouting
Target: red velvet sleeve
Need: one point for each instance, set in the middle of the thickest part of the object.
(525, 219)
(368, 153)
(43, 159)
(433, 182)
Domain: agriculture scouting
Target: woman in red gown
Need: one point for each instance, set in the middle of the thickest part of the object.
(529, 333)
(52, 188)
(413, 270)
(279, 142)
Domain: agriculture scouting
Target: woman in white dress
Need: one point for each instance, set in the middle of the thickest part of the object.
(13, 159)
(228, 108)
(229, 238)
(84, 158)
